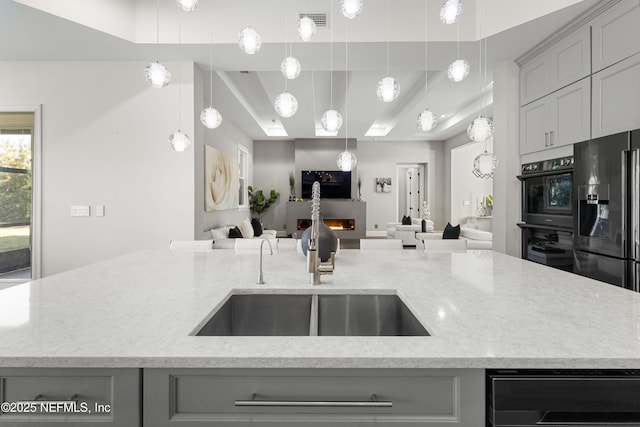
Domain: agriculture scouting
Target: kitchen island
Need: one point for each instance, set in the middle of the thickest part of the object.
(483, 310)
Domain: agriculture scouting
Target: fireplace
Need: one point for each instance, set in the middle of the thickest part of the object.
(336, 224)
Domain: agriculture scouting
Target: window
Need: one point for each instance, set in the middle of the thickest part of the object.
(16, 185)
(243, 171)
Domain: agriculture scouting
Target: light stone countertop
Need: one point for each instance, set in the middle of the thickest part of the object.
(483, 309)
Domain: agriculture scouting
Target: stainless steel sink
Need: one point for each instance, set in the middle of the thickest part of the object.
(261, 315)
(304, 315)
(366, 315)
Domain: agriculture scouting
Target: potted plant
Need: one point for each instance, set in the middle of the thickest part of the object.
(259, 203)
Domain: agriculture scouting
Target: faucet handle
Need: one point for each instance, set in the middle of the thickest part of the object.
(327, 268)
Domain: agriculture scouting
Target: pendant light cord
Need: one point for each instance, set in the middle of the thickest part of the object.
(387, 37)
(458, 42)
(286, 22)
(157, 30)
(426, 47)
(346, 89)
(179, 71)
(331, 58)
(211, 73)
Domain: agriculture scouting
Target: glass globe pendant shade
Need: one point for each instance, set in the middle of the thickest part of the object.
(210, 118)
(331, 120)
(351, 8)
(157, 75)
(388, 89)
(480, 129)
(286, 104)
(187, 5)
(249, 41)
(179, 141)
(458, 70)
(306, 29)
(426, 121)
(290, 67)
(450, 11)
(346, 161)
(484, 165)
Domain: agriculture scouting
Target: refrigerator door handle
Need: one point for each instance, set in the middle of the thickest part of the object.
(624, 161)
(635, 204)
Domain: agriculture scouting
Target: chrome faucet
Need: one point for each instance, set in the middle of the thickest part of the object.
(260, 279)
(314, 266)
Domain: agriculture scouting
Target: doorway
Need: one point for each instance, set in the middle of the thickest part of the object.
(19, 191)
(412, 189)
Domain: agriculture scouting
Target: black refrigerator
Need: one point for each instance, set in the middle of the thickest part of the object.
(606, 184)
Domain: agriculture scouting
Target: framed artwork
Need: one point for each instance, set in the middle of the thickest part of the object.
(220, 180)
(383, 185)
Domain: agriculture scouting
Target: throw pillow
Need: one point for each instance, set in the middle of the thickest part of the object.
(246, 228)
(235, 233)
(451, 232)
(424, 226)
(220, 232)
(406, 220)
(257, 227)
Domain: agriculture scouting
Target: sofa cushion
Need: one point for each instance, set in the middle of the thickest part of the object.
(235, 233)
(451, 232)
(474, 234)
(221, 232)
(257, 227)
(246, 229)
(406, 220)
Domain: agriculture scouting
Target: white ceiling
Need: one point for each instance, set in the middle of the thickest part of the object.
(125, 30)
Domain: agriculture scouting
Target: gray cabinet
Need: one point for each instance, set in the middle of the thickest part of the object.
(83, 397)
(558, 119)
(616, 98)
(616, 34)
(314, 397)
(567, 61)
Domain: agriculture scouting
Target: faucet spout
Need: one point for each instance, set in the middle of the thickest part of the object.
(314, 265)
(261, 279)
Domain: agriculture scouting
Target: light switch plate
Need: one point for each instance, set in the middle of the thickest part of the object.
(99, 210)
(80, 211)
(466, 203)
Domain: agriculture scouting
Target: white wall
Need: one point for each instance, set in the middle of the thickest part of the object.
(105, 141)
(225, 138)
(378, 159)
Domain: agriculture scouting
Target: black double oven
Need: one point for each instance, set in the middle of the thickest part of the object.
(547, 206)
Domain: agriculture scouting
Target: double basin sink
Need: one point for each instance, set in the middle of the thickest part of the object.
(312, 315)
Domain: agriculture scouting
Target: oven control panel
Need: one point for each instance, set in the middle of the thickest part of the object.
(548, 165)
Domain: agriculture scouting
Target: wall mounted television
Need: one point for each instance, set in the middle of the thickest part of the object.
(333, 184)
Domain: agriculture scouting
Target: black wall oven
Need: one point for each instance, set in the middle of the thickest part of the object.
(548, 193)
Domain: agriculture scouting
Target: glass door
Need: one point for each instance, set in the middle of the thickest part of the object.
(16, 196)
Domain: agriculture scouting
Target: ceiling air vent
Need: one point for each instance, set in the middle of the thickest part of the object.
(320, 19)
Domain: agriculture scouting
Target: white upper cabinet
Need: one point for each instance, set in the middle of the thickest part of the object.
(616, 98)
(567, 61)
(558, 119)
(616, 34)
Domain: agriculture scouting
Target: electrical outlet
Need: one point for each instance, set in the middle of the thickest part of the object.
(375, 226)
(80, 211)
(99, 210)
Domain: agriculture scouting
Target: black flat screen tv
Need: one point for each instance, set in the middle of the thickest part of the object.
(333, 184)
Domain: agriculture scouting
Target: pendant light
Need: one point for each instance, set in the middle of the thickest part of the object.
(210, 117)
(351, 8)
(249, 41)
(286, 104)
(346, 160)
(459, 69)
(426, 119)
(157, 74)
(451, 11)
(331, 120)
(485, 164)
(178, 140)
(481, 128)
(306, 29)
(187, 5)
(388, 88)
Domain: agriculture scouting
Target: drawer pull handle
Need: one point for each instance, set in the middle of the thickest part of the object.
(39, 396)
(373, 402)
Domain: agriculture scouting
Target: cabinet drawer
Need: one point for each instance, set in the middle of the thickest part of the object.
(303, 397)
(86, 397)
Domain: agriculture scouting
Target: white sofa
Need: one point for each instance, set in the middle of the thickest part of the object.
(476, 239)
(221, 240)
(407, 233)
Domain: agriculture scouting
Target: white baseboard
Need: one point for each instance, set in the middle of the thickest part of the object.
(373, 233)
